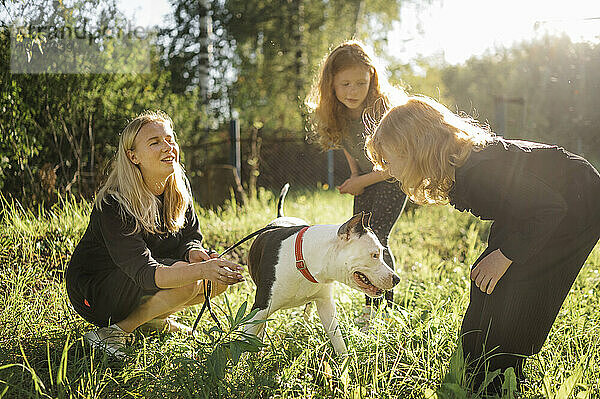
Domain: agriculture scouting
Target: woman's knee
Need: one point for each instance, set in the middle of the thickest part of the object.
(190, 291)
(198, 288)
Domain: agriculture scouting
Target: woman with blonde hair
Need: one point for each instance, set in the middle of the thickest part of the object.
(141, 258)
(544, 204)
(349, 88)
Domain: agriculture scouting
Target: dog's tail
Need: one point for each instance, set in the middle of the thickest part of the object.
(282, 195)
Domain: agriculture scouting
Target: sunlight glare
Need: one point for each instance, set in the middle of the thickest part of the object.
(455, 30)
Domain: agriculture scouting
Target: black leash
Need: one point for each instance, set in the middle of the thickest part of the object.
(208, 285)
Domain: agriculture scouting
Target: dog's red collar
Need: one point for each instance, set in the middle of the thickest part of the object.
(300, 263)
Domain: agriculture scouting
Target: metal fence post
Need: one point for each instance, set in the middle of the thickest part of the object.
(500, 127)
(235, 158)
(501, 111)
(330, 182)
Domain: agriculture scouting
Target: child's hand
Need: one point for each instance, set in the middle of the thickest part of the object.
(352, 185)
(489, 270)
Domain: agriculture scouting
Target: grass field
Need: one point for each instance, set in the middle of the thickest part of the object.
(408, 355)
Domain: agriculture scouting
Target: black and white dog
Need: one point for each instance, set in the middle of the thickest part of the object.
(297, 263)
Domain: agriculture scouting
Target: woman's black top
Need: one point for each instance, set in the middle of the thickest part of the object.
(532, 191)
(107, 245)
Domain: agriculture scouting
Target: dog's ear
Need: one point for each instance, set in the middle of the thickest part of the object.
(352, 226)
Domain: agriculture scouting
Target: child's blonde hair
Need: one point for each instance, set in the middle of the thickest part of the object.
(126, 184)
(328, 116)
(431, 141)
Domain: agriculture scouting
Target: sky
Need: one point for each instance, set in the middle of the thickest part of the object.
(454, 29)
(459, 29)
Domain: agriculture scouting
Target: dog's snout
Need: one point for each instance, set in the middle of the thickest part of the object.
(395, 279)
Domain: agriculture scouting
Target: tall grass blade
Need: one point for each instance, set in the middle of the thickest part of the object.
(568, 386)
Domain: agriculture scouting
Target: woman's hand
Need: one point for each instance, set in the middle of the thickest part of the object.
(220, 271)
(200, 255)
(353, 185)
(489, 270)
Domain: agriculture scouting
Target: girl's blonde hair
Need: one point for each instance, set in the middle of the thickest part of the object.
(126, 184)
(430, 141)
(328, 116)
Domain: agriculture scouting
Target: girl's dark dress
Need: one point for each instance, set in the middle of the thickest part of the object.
(545, 204)
(111, 270)
(384, 200)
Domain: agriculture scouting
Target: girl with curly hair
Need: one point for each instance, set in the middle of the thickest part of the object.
(348, 94)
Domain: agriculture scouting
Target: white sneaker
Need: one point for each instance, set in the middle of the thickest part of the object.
(165, 325)
(176, 326)
(364, 319)
(111, 340)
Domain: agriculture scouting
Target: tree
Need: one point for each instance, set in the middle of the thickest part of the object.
(557, 80)
(267, 52)
(59, 131)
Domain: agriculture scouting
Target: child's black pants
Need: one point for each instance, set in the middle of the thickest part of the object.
(514, 321)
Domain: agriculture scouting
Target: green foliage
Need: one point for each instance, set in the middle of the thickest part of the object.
(16, 147)
(272, 50)
(226, 346)
(59, 131)
(428, 83)
(549, 87)
(411, 352)
(568, 386)
(556, 80)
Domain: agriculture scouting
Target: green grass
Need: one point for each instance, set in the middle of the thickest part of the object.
(408, 356)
